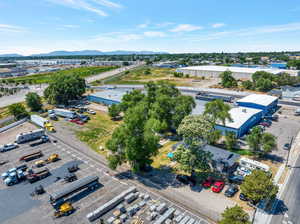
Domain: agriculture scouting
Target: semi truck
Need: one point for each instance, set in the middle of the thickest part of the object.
(63, 113)
(13, 176)
(59, 197)
(42, 140)
(37, 175)
(29, 136)
(31, 156)
(42, 122)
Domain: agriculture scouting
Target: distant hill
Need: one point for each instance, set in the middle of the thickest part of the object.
(10, 55)
(94, 52)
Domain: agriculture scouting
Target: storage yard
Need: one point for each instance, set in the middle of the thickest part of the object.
(26, 201)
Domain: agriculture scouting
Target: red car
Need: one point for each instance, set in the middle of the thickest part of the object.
(208, 182)
(265, 124)
(218, 186)
(77, 121)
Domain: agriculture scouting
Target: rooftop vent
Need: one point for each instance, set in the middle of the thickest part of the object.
(244, 110)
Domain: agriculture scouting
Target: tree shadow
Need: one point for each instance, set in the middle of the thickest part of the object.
(280, 209)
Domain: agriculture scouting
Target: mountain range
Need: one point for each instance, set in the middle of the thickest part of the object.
(85, 53)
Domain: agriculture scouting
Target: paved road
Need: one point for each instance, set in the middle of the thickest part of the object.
(287, 211)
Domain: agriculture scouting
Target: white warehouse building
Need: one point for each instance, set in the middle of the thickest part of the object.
(213, 71)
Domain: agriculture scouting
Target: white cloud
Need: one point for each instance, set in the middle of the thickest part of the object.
(11, 28)
(154, 34)
(143, 25)
(164, 24)
(251, 31)
(70, 26)
(116, 37)
(107, 3)
(186, 28)
(80, 4)
(218, 25)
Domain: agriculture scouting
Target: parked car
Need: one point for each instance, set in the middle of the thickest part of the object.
(8, 147)
(265, 124)
(77, 121)
(286, 146)
(243, 197)
(183, 179)
(208, 182)
(91, 112)
(231, 190)
(237, 179)
(218, 186)
(272, 117)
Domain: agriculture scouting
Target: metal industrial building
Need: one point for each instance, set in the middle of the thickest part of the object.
(243, 118)
(107, 97)
(238, 72)
(266, 103)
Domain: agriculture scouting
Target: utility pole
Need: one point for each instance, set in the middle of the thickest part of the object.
(289, 150)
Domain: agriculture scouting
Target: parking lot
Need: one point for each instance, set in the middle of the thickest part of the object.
(18, 205)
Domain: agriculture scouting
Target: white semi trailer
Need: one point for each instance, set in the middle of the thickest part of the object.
(42, 122)
(63, 113)
(29, 136)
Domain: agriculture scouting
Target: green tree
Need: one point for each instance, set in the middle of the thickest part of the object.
(218, 111)
(33, 101)
(134, 141)
(114, 111)
(230, 140)
(195, 130)
(254, 138)
(259, 186)
(227, 80)
(65, 88)
(234, 215)
(263, 84)
(247, 84)
(214, 136)
(130, 99)
(259, 142)
(294, 64)
(18, 111)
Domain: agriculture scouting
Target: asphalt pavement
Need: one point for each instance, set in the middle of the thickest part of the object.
(287, 211)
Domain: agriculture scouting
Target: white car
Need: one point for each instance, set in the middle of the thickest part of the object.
(6, 147)
(91, 112)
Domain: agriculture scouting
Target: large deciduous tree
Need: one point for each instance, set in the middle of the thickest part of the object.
(18, 111)
(34, 101)
(259, 186)
(65, 88)
(234, 215)
(218, 111)
(227, 80)
(195, 130)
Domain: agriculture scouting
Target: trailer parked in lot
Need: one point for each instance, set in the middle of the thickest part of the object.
(37, 175)
(42, 140)
(42, 122)
(63, 113)
(58, 198)
(31, 156)
(29, 136)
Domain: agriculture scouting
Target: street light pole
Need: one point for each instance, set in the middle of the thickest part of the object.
(288, 156)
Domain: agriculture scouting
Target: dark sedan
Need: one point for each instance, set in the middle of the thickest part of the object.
(231, 190)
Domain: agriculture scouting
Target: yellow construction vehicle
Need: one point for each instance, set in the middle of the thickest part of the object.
(48, 126)
(52, 158)
(39, 163)
(65, 209)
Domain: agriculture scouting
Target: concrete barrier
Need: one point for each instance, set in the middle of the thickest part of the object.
(13, 125)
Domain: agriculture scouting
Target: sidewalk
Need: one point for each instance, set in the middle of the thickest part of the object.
(261, 216)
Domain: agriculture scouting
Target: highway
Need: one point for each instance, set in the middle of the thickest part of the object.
(287, 210)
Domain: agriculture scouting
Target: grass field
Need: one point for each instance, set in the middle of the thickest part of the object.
(47, 77)
(97, 131)
(145, 74)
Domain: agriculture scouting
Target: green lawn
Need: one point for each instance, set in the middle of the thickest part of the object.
(97, 131)
(47, 77)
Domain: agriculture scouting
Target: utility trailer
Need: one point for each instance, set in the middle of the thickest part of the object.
(59, 197)
(63, 113)
(40, 141)
(29, 136)
(37, 175)
(31, 156)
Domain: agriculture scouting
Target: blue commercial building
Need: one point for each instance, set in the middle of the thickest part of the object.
(266, 103)
(243, 119)
(107, 97)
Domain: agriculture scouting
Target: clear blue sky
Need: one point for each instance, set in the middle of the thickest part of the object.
(35, 26)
